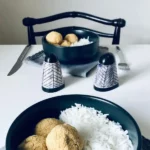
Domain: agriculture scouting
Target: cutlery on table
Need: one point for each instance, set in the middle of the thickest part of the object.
(122, 64)
(19, 61)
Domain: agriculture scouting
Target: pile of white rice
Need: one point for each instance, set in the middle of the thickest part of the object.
(82, 41)
(96, 129)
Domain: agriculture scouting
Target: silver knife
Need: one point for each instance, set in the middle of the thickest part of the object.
(19, 61)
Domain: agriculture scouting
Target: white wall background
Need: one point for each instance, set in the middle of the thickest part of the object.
(136, 13)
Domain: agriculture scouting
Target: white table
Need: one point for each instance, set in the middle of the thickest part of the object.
(22, 89)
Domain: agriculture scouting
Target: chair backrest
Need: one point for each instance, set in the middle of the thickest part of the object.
(117, 23)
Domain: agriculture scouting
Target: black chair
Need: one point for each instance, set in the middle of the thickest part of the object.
(117, 23)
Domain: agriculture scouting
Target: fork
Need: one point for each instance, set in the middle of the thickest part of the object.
(122, 64)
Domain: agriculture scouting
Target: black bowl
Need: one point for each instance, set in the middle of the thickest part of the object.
(24, 124)
(73, 55)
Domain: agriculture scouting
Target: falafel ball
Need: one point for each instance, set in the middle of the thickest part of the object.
(72, 38)
(65, 43)
(64, 137)
(33, 142)
(45, 126)
(54, 37)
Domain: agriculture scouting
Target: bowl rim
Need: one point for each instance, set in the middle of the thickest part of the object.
(94, 98)
(68, 47)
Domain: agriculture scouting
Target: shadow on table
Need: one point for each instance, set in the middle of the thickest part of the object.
(70, 80)
(3, 148)
(131, 74)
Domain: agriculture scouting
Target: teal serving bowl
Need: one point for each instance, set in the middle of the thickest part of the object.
(24, 124)
(77, 54)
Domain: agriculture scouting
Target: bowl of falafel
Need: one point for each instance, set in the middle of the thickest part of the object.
(74, 122)
(71, 45)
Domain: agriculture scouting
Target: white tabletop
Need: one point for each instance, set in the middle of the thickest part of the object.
(22, 89)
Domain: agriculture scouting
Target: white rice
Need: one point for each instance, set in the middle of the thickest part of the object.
(96, 129)
(82, 41)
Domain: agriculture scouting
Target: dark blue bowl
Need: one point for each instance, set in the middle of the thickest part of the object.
(73, 55)
(24, 124)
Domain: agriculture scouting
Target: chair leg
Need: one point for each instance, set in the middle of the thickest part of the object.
(31, 38)
(116, 39)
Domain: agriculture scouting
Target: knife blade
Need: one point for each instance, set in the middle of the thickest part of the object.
(19, 61)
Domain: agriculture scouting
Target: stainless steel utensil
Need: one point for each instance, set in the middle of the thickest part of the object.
(19, 61)
(122, 64)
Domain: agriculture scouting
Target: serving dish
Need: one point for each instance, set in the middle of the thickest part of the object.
(76, 54)
(24, 124)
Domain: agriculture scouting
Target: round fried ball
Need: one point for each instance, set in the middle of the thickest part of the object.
(45, 126)
(72, 38)
(64, 137)
(33, 142)
(65, 43)
(54, 37)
